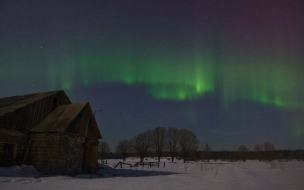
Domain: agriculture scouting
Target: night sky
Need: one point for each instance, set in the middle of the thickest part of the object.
(231, 71)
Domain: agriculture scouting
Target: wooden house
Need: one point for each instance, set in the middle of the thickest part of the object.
(48, 131)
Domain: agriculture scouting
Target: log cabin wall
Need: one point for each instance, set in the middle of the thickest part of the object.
(57, 153)
(93, 157)
(74, 154)
(45, 150)
(90, 156)
(13, 147)
(80, 124)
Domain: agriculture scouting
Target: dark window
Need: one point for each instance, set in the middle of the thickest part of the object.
(8, 151)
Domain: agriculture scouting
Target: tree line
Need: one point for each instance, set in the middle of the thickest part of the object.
(160, 140)
(183, 143)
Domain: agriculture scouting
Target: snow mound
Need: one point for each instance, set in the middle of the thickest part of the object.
(19, 171)
(104, 167)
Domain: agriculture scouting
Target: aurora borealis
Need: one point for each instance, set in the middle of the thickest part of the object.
(231, 72)
(177, 81)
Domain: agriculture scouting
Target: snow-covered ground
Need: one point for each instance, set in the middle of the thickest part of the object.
(193, 175)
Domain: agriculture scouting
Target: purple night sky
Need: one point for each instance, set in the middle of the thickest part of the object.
(231, 71)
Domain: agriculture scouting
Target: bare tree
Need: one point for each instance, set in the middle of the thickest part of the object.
(243, 148)
(265, 151)
(269, 149)
(123, 147)
(206, 153)
(268, 146)
(172, 141)
(103, 148)
(188, 142)
(242, 152)
(158, 138)
(141, 143)
(257, 148)
(202, 151)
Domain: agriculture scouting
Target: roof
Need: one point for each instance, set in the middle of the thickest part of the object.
(10, 104)
(60, 118)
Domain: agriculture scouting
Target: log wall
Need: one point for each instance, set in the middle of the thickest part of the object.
(18, 141)
(55, 153)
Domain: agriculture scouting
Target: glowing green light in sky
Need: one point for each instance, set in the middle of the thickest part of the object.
(186, 78)
(298, 130)
(182, 82)
(177, 80)
(265, 83)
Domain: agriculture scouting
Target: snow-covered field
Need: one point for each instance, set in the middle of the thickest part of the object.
(193, 175)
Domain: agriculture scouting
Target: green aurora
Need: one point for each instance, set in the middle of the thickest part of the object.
(184, 78)
(178, 81)
(230, 71)
(276, 85)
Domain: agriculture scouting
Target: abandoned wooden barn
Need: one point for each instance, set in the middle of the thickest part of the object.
(48, 131)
